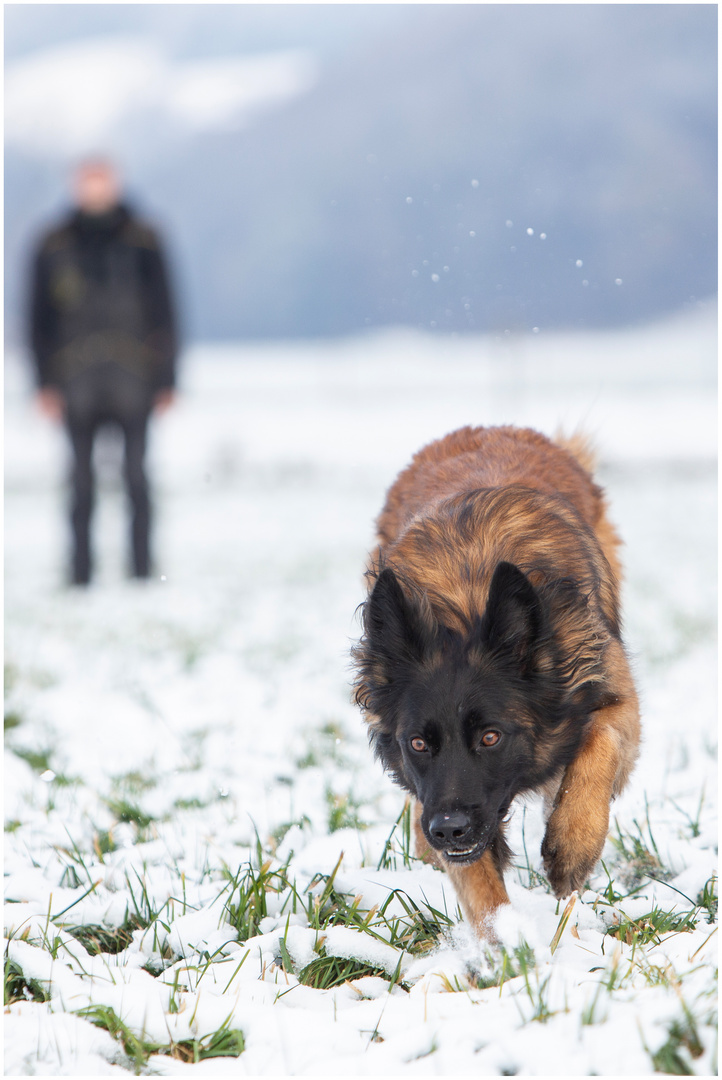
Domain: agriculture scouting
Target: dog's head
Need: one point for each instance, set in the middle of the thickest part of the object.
(467, 721)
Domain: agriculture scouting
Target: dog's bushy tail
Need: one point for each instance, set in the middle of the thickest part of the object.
(581, 448)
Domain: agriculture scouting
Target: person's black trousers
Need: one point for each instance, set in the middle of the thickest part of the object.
(100, 396)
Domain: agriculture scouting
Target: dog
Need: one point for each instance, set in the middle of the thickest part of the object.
(491, 662)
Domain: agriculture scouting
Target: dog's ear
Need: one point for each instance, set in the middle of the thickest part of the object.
(513, 620)
(396, 627)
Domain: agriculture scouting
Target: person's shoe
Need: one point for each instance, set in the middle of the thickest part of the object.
(80, 568)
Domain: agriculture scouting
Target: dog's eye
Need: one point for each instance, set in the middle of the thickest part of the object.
(418, 745)
(490, 738)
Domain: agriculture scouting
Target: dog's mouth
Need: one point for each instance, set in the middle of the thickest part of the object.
(466, 855)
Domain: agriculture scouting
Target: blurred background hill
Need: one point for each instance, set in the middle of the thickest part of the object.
(325, 169)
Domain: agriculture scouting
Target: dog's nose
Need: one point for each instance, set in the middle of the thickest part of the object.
(450, 828)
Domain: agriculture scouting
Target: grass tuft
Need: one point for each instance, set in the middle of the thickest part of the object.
(38, 760)
(638, 855)
(342, 812)
(398, 843)
(707, 899)
(134, 782)
(327, 971)
(226, 1042)
(189, 804)
(123, 810)
(503, 965)
(683, 1035)
(103, 843)
(247, 902)
(12, 720)
(537, 991)
(651, 927)
(17, 988)
(103, 939)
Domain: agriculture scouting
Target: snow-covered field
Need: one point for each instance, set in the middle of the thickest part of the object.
(196, 849)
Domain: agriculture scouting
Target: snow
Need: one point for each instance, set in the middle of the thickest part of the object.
(351, 944)
(216, 703)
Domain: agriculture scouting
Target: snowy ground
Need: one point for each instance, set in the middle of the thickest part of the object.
(185, 769)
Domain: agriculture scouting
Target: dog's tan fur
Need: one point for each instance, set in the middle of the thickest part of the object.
(485, 495)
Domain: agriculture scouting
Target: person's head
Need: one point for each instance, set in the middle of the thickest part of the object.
(96, 186)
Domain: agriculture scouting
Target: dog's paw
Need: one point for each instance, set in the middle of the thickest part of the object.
(570, 853)
(563, 876)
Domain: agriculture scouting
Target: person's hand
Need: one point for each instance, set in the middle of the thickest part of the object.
(164, 399)
(50, 403)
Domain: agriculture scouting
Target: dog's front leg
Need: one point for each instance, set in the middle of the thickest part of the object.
(479, 886)
(578, 826)
(480, 889)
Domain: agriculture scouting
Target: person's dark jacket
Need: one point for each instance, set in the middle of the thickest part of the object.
(100, 294)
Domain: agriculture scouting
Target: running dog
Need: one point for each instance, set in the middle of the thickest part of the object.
(491, 662)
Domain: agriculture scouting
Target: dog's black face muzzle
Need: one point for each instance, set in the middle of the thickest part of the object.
(463, 833)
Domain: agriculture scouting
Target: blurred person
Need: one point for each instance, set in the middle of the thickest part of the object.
(103, 338)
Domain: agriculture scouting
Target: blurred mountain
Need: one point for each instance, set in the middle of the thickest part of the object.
(454, 167)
